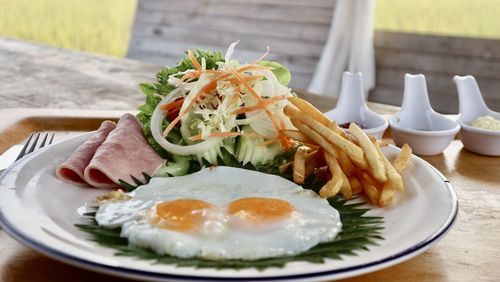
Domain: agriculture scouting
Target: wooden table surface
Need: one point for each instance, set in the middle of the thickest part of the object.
(34, 76)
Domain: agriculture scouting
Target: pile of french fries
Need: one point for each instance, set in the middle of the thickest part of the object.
(353, 161)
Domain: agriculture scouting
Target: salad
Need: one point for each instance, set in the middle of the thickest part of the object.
(209, 107)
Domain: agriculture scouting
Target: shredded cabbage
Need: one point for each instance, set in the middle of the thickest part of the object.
(220, 105)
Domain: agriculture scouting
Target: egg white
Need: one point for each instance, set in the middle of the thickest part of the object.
(314, 221)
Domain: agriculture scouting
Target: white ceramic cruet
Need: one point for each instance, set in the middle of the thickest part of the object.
(351, 107)
(472, 106)
(426, 131)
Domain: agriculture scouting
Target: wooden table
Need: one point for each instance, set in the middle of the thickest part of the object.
(470, 252)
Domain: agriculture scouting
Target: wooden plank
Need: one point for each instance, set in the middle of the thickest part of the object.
(293, 47)
(299, 80)
(439, 58)
(441, 102)
(153, 46)
(442, 63)
(440, 82)
(308, 3)
(263, 11)
(156, 58)
(172, 20)
(484, 48)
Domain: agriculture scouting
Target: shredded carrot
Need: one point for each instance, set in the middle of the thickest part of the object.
(195, 63)
(191, 75)
(283, 139)
(173, 123)
(196, 74)
(253, 67)
(247, 78)
(172, 105)
(282, 122)
(266, 103)
(225, 134)
(234, 97)
(206, 88)
(212, 85)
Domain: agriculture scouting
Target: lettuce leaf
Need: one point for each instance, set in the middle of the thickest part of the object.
(156, 91)
(281, 72)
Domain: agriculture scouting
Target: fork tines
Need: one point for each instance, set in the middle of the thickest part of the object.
(33, 140)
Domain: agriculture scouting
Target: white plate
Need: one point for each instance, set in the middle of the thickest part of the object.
(40, 211)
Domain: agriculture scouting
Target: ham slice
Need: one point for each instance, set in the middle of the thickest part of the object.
(72, 170)
(125, 152)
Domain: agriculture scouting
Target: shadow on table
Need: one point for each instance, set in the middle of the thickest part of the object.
(31, 266)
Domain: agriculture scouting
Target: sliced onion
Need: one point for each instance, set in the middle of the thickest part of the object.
(156, 130)
(279, 89)
(259, 120)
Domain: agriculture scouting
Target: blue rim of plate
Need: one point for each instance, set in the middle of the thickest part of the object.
(123, 272)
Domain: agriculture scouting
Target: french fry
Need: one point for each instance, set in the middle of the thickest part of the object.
(282, 168)
(382, 143)
(316, 137)
(311, 162)
(371, 191)
(297, 135)
(354, 152)
(354, 160)
(330, 188)
(299, 165)
(402, 160)
(345, 188)
(369, 179)
(387, 195)
(356, 186)
(374, 159)
(333, 186)
(394, 181)
(309, 109)
(334, 126)
(345, 163)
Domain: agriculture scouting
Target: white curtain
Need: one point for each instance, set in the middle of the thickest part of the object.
(349, 47)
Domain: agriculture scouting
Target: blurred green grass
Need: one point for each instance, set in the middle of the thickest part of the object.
(468, 18)
(101, 26)
(104, 26)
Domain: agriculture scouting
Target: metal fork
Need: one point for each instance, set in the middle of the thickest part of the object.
(27, 149)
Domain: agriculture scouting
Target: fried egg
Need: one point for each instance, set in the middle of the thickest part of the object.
(223, 213)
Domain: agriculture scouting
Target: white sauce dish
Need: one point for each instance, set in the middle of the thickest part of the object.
(351, 107)
(472, 106)
(426, 131)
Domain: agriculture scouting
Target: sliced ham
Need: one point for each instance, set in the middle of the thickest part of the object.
(72, 170)
(125, 152)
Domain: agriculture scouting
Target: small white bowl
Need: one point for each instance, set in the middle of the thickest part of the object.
(426, 131)
(351, 107)
(472, 106)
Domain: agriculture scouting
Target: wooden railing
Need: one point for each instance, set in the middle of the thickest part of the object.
(439, 58)
(297, 30)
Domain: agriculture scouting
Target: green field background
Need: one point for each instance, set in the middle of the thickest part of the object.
(104, 26)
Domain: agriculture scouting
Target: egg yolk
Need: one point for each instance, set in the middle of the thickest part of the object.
(260, 210)
(180, 215)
